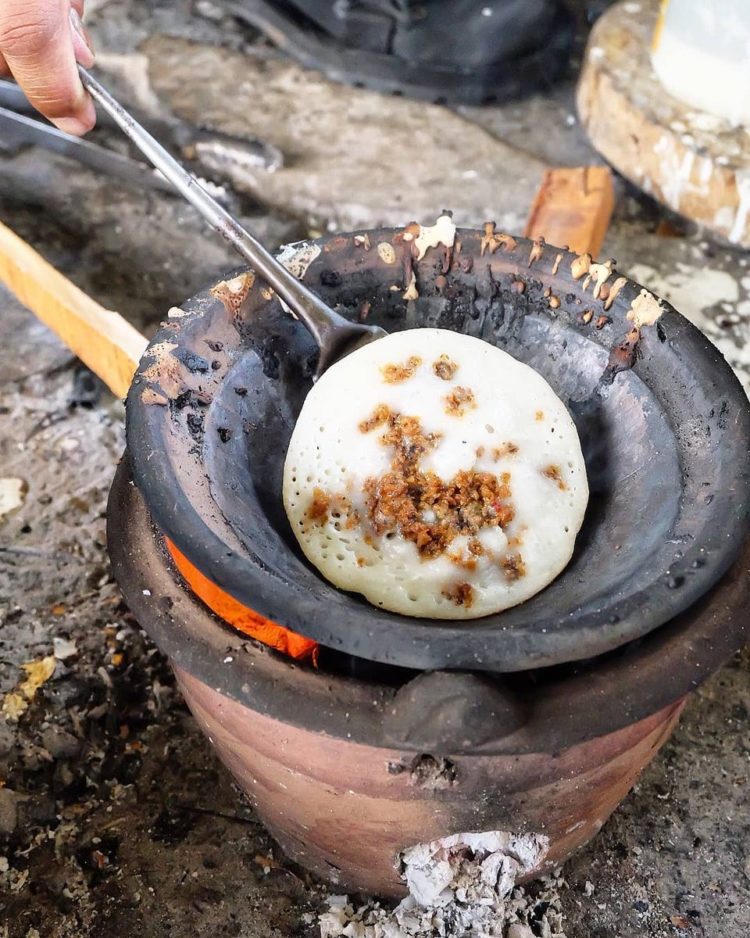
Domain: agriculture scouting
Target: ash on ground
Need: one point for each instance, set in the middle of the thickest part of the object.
(460, 887)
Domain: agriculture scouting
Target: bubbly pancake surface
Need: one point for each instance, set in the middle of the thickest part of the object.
(436, 475)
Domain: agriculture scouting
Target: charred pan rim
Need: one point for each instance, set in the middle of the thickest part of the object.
(561, 709)
(483, 643)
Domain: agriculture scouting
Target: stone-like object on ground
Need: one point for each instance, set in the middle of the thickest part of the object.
(12, 494)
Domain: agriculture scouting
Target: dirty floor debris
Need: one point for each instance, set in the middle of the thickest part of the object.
(115, 817)
(524, 913)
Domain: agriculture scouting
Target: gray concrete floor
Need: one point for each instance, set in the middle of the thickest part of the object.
(114, 815)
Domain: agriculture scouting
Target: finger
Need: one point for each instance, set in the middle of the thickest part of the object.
(76, 5)
(82, 45)
(40, 48)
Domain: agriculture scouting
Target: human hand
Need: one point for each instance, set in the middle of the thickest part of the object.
(40, 43)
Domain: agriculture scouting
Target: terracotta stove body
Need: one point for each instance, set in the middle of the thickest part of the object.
(402, 736)
(337, 807)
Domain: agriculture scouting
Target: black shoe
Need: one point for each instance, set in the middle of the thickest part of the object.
(467, 51)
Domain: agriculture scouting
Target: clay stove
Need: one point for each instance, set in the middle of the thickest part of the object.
(390, 731)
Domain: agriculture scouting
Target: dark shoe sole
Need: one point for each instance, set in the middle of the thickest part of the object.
(388, 73)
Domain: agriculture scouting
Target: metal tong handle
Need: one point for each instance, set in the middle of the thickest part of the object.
(333, 334)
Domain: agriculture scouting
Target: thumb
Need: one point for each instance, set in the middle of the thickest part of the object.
(40, 41)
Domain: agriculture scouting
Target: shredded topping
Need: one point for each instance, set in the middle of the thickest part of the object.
(395, 374)
(466, 563)
(506, 449)
(513, 567)
(319, 505)
(459, 401)
(461, 594)
(418, 504)
(324, 506)
(445, 368)
(378, 417)
(553, 472)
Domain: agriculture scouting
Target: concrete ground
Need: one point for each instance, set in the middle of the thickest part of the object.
(114, 815)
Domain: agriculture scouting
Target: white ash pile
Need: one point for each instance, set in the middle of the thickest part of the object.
(460, 887)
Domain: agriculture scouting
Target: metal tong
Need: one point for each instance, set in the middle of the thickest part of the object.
(335, 335)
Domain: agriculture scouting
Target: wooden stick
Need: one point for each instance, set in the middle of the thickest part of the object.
(573, 207)
(102, 339)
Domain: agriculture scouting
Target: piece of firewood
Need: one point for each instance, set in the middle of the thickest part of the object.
(102, 339)
(573, 207)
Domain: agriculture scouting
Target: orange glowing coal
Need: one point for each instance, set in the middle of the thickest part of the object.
(240, 617)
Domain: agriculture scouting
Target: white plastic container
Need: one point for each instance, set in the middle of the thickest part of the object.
(701, 54)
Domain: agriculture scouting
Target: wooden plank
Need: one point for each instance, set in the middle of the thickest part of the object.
(102, 339)
(573, 207)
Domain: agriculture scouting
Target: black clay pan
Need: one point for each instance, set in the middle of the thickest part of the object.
(663, 421)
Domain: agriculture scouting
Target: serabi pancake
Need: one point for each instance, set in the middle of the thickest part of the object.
(435, 475)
